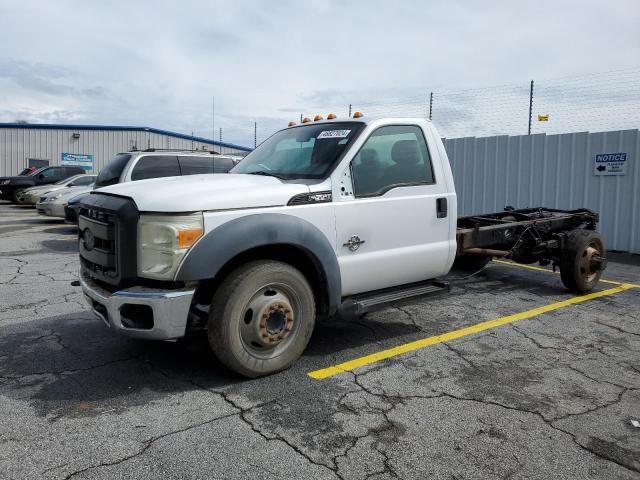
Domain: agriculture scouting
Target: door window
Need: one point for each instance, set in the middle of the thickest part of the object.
(83, 181)
(155, 166)
(222, 165)
(48, 173)
(393, 156)
(196, 165)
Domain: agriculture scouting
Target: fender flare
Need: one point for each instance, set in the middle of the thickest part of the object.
(225, 242)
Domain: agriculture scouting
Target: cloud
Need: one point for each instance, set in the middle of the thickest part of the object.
(160, 63)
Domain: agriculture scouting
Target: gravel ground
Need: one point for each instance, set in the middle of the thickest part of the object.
(546, 397)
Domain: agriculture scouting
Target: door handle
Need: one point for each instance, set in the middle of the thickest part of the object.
(354, 243)
(441, 207)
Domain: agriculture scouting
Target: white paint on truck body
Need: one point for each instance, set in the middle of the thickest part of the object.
(404, 240)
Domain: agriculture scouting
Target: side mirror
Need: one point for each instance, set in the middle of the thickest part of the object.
(41, 176)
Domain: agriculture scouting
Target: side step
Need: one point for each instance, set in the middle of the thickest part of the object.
(366, 302)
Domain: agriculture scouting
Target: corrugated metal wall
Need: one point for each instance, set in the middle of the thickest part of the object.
(17, 145)
(554, 171)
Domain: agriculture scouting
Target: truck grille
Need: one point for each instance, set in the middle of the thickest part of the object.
(97, 234)
(107, 233)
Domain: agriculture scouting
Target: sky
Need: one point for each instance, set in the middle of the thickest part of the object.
(161, 63)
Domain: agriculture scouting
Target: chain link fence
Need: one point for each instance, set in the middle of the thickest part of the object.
(597, 102)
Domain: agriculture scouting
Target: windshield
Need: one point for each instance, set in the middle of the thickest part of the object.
(66, 180)
(308, 151)
(110, 174)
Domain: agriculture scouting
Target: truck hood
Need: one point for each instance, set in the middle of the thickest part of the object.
(193, 193)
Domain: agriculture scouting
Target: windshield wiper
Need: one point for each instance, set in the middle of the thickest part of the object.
(267, 174)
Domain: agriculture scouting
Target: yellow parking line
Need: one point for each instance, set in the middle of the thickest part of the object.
(546, 270)
(463, 332)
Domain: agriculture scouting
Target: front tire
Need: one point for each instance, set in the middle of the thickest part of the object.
(261, 318)
(15, 194)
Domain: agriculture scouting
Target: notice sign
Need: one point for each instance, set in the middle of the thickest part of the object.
(77, 160)
(610, 164)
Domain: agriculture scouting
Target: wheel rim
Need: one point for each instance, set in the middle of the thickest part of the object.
(587, 264)
(270, 321)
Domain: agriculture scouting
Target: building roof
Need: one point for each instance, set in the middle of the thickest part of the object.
(53, 126)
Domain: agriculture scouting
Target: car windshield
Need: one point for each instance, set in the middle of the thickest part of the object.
(110, 174)
(66, 180)
(307, 151)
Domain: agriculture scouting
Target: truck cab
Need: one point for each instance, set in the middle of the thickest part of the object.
(318, 215)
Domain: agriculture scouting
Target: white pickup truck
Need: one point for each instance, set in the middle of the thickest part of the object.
(326, 216)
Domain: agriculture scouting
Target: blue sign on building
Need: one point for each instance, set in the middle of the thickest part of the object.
(77, 160)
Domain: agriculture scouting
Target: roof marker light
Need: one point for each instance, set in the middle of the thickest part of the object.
(306, 120)
(291, 124)
(317, 117)
(357, 115)
(331, 116)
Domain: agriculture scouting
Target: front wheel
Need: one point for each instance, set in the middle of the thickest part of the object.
(16, 194)
(582, 260)
(261, 318)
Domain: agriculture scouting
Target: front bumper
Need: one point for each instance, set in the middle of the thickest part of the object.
(29, 198)
(71, 214)
(50, 209)
(165, 312)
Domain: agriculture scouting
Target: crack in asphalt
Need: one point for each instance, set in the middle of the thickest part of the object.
(69, 371)
(550, 423)
(271, 436)
(146, 446)
(619, 329)
(395, 400)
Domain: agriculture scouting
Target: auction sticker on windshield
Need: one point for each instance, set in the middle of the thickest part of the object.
(334, 134)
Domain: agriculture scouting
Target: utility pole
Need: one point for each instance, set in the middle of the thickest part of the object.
(430, 105)
(255, 134)
(213, 118)
(530, 106)
(349, 110)
(220, 134)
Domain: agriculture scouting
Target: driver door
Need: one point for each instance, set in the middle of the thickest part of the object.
(393, 230)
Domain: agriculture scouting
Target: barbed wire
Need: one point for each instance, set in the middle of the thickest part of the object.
(590, 102)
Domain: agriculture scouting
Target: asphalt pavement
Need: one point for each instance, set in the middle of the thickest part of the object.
(551, 395)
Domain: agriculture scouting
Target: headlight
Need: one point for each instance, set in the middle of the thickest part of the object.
(164, 240)
(54, 197)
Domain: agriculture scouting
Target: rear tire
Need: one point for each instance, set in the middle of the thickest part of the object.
(576, 271)
(261, 318)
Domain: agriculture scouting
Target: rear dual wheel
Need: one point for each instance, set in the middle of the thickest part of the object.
(582, 260)
(261, 318)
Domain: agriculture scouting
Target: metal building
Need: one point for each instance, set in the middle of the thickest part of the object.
(91, 145)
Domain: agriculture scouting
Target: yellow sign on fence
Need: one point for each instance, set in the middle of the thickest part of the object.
(543, 118)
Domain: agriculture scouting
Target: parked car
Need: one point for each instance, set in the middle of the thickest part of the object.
(30, 196)
(52, 204)
(142, 165)
(11, 187)
(151, 163)
(71, 208)
(325, 217)
(28, 171)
